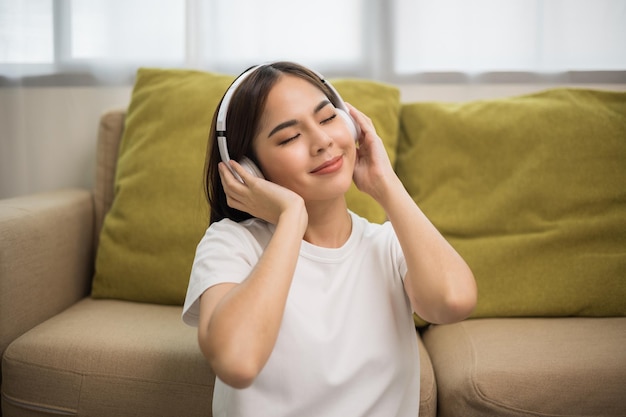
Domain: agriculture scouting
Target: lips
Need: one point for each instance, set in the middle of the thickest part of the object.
(330, 166)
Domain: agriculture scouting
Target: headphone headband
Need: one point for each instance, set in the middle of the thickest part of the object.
(223, 110)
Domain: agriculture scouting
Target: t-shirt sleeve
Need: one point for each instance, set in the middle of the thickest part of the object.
(226, 253)
(397, 255)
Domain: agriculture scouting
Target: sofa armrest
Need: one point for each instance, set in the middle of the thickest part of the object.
(46, 257)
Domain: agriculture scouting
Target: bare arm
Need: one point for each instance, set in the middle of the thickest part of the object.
(439, 283)
(239, 323)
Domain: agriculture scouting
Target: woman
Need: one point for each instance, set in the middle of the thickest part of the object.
(303, 307)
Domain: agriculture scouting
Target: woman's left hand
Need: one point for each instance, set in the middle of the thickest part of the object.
(372, 171)
(440, 285)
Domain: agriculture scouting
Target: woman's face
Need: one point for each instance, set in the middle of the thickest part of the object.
(303, 143)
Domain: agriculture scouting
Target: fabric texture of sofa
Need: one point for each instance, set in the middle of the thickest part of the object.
(529, 189)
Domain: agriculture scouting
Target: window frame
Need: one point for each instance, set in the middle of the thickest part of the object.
(376, 60)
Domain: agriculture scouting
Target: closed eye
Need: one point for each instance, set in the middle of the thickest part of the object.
(329, 119)
(286, 141)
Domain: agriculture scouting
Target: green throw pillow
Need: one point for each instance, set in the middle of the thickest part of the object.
(159, 213)
(531, 190)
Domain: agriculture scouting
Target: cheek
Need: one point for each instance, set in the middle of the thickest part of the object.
(281, 166)
(349, 147)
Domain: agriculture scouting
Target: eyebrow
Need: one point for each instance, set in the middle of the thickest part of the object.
(293, 122)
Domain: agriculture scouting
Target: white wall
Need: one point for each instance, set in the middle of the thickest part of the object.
(48, 135)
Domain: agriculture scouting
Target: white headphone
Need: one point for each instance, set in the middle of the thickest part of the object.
(245, 162)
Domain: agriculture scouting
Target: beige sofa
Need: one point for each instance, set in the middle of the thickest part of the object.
(529, 349)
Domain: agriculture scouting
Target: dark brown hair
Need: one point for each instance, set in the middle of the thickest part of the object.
(242, 121)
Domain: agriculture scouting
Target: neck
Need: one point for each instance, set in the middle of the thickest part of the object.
(330, 224)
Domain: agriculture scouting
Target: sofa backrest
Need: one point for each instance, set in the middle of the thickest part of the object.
(529, 189)
(110, 131)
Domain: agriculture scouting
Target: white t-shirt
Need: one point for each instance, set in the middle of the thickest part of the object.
(347, 344)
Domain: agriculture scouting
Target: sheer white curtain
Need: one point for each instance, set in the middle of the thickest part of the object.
(509, 35)
(107, 38)
(388, 40)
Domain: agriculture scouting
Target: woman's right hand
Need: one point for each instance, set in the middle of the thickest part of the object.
(260, 198)
(239, 323)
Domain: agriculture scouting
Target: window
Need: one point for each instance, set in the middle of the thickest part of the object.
(26, 32)
(511, 35)
(130, 31)
(386, 40)
(313, 32)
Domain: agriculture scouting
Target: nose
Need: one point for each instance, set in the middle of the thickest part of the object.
(320, 141)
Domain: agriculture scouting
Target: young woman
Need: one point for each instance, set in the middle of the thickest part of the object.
(304, 308)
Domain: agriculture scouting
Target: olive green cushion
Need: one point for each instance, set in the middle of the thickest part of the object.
(159, 213)
(531, 190)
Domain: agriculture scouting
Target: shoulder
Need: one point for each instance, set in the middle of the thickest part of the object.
(226, 253)
(228, 233)
(371, 230)
(252, 226)
(227, 239)
(378, 239)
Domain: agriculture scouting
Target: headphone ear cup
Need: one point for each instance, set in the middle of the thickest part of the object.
(352, 126)
(251, 167)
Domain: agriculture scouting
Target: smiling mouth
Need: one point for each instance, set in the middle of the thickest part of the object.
(329, 166)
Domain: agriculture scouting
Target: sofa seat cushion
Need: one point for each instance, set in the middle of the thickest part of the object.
(538, 366)
(108, 358)
(428, 385)
(119, 358)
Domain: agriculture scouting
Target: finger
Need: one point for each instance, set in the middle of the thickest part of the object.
(364, 122)
(357, 114)
(233, 188)
(246, 176)
(226, 176)
(238, 193)
(231, 172)
(233, 199)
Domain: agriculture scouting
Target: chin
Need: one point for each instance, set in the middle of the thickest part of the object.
(329, 191)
